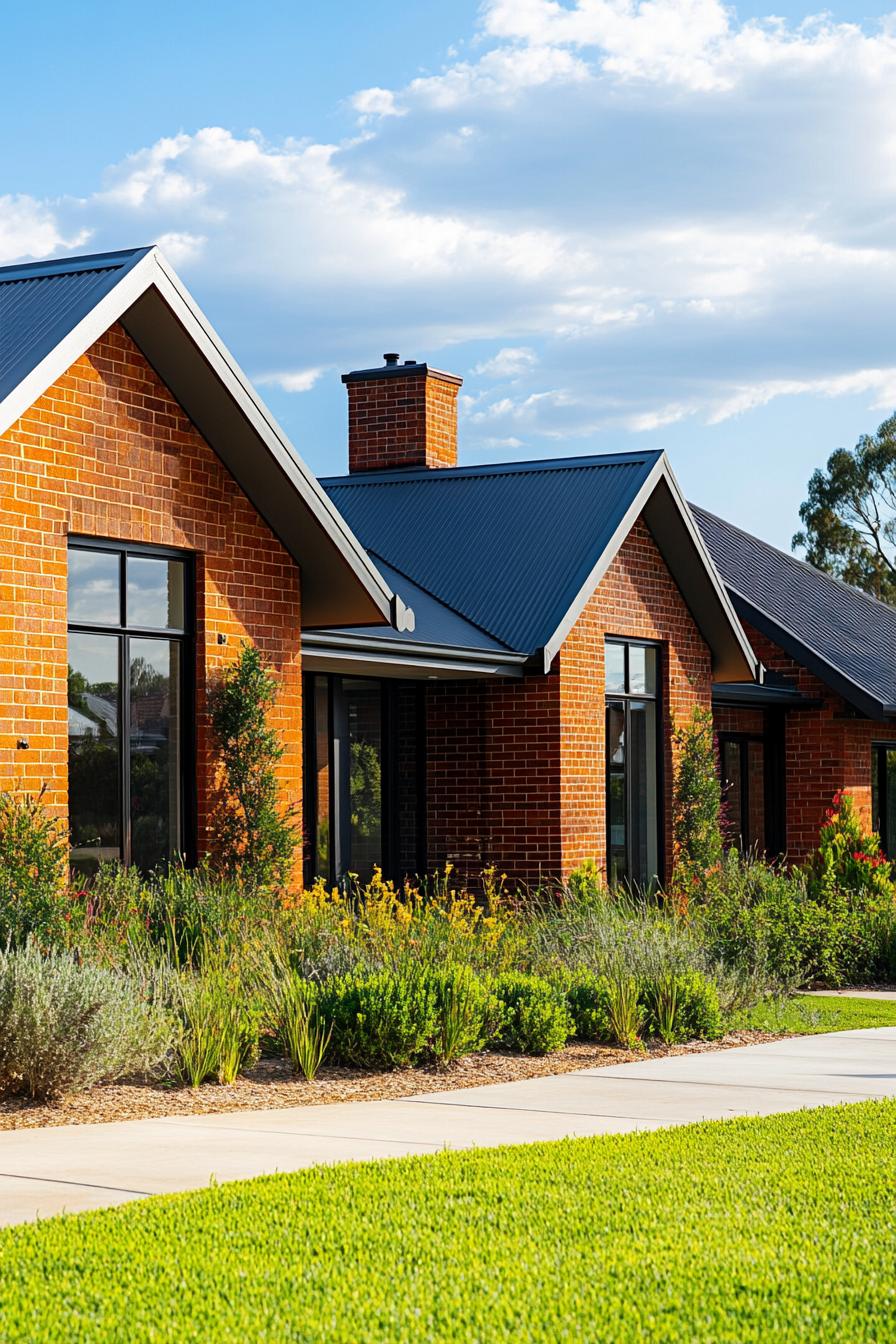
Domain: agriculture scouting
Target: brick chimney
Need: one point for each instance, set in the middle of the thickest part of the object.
(401, 415)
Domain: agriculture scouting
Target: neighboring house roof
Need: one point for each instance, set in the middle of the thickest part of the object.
(517, 549)
(844, 636)
(52, 312)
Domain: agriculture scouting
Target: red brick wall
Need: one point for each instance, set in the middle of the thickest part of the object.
(516, 769)
(636, 598)
(402, 420)
(108, 452)
(826, 749)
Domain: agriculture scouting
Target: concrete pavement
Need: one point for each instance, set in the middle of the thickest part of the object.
(77, 1167)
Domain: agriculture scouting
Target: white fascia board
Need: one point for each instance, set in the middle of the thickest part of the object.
(660, 471)
(715, 578)
(152, 270)
(608, 555)
(267, 428)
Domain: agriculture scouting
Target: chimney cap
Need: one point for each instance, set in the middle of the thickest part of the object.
(392, 369)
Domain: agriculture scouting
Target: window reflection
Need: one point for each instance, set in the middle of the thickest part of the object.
(155, 593)
(154, 685)
(363, 704)
(94, 776)
(94, 587)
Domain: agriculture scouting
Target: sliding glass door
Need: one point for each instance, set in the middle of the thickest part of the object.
(363, 777)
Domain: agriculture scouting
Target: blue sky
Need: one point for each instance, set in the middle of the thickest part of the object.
(664, 223)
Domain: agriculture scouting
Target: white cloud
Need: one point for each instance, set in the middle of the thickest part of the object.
(633, 212)
(30, 230)
(509, 362)
(374, 102)
(295, 380)
(880, 382)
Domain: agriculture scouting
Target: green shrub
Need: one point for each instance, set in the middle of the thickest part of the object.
(33, 868)
(588, 998)
(65, 1025)
(300, 1029)
(382, 1020)
(219, 1034)
(696, 805)
(467, 1013)
(256, 835)
(536, 1018)
(626, 1012)
(804, 927)
(682, 1007)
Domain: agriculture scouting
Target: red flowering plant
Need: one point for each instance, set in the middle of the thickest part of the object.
(849, 862)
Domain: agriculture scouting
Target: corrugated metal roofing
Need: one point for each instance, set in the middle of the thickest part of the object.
(435, 623)
(509, 547)
(43, 301)
(847, 631)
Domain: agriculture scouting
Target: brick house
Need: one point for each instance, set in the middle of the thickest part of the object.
(477, 664)
(151, 517)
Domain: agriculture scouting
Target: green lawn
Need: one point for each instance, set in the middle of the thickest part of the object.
(808, 1014)
(747, 1230)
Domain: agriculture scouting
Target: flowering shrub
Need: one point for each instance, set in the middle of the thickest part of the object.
(849, 859)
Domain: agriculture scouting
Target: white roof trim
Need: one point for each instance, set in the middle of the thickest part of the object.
(152, 271)
(661, 471)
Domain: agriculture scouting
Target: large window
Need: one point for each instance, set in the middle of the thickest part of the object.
(883, 795)
(128, 674)
(633, 855)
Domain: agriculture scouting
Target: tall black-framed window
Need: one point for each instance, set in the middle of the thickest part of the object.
(633, 762)
(130, 694)
(883, 795)
(364, 777)
(742, 760)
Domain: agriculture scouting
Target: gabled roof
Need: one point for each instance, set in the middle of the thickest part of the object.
(517, 549)
(844, 636)
(52, 312)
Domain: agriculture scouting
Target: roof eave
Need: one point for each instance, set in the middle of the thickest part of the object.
(733, 657)
(338, 576)
(380, 655)
(861, 699)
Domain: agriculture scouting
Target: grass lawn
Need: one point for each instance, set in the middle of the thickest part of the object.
(747, 1230)
(809, 1015)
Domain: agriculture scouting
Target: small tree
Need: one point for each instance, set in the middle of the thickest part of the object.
(256, 836)
(696, 805)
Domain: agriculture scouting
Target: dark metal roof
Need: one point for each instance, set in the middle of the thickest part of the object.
(507, 547)
(42, 301)
(51, 312)
(435, 624)
(844, 636)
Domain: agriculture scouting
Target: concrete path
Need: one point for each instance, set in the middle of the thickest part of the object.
(853, 993)
(75, 1167)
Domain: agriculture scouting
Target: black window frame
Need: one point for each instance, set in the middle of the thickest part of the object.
(185, 637)
(339, 843)
(742, 740)
(879, 751)
(626, 697)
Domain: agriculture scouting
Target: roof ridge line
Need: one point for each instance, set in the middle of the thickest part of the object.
(58, 266)
(397, 474)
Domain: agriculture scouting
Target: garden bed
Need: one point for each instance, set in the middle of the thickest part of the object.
(271, 1084)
